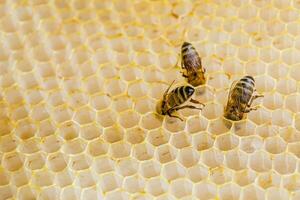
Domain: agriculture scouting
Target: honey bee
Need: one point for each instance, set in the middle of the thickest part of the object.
(240, 98)
(194, 72)
(172, 101)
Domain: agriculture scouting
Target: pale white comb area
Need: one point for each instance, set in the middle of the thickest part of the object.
(79, 83)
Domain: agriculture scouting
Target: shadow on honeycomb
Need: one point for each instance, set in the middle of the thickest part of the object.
(79, 84)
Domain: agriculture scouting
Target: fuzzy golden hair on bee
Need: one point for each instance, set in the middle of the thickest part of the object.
(191, 65)
(174, 100)
(240, 98)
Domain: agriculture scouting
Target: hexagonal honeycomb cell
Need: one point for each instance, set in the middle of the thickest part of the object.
(79, 82)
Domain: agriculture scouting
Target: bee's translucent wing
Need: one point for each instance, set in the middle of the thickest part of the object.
(230, 90)
(167, 90)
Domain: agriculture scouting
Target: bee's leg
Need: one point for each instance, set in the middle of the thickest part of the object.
(170, 115)
(187, 106)
(182, 73)
(253, 98)
(250, 109)
(182, 68)
(197, 102)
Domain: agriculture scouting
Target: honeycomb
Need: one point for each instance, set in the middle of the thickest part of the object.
(80, 81)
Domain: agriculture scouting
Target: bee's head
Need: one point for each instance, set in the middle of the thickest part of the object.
(189, 90)
(185, 44)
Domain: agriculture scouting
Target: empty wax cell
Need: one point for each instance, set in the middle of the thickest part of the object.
(97, 147)
(218, 127)
(26, 192)
(285, 163)
(165, 153)
(8, 143)
(158, 137)
(113, 134)
(116, 195)
(212, 111)
(245, 177)
(128, 166)
(122, 103)
(74, 146)
(150, 121)
(260, 116)
(275, 194)
(198, 173)
(143, 151)
(120, 150)
(291, 182)
(227, 142)
(294, 148)
(273, 100)
(51, 192)
(188, 157)
(244, 128)
(230, 191)
(84, 115)
(150, 168)
(20, 177)
(13, 161)
(236, 160)
(135, 135)
(69, 130)
(268, 179)
(43, 178)
(134, 184)
(86, 179)
(70, 192)
(267, 130)
(103, 164)
(181, 188)
(80, 162)
(129, 119)
(180, 140)
(206, 190)
(25, 129)
(253, 192)
(156, 186)
(57, 162)
(35, 161)
(292, 102)
(212, 157)
(173, 170)
(5, 178)
(282, 118)
(275, 145)
(115, 87)
(260, 161)
(220, 175)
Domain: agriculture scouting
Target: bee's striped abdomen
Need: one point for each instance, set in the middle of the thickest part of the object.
(240, 96)
(191, 64)
(245, 88)
(190, 57)
(180, 95)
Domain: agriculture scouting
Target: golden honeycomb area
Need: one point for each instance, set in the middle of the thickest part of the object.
(79, 82)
